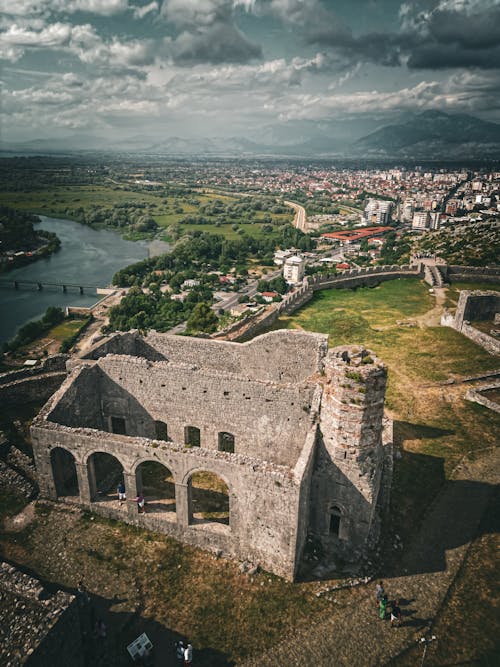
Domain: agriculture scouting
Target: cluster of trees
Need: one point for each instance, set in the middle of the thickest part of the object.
(16, 229)
(393, 251)
(277, 284)
(155, 310)
(131, 215)
(31, 331)
(202, 251)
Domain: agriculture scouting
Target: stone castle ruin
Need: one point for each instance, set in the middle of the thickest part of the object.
(292, 433)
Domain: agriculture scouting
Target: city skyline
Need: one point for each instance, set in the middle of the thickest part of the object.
(273, 70)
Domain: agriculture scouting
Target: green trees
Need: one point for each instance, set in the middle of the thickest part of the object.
(29, 332)
(202, 318)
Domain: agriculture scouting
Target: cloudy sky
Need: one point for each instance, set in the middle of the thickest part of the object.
(196, 68)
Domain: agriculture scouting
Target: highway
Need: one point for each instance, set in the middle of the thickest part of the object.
(300, 220)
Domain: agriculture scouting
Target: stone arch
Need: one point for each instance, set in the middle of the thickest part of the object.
(63, 464)
(209, 496)
(157, 483)
(105, 471)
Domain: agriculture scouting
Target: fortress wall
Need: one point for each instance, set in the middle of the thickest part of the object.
(77, 403)
(279, 356)
(31, 389)
(490, 344)
(268, 421)
(262, 526)
(476, 305)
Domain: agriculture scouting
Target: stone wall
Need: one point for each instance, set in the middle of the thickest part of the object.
(39, 629)
(473, 273)
(35, 389)
(477, 396)
(262, 521)
(350, 463)
(268, 421)
(300, 448)
(279, 356)
(490, 344)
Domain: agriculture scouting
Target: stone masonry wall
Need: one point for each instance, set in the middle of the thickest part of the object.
(280, 356)
(350, 458)
(262, 526)
(38, 629)
(268, 421)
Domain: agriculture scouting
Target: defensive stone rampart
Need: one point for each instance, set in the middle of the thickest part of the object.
(473, 306)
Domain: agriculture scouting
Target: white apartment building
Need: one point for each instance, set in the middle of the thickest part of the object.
(294, 269)
(421, 220)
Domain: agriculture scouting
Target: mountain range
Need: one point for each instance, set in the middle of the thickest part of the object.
(430, 134)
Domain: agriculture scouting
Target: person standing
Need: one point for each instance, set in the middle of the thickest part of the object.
(188, 656)
(379, 592)
(383, 607)
(140, 503)
(179, 652)
(395, 614)
(121, 493)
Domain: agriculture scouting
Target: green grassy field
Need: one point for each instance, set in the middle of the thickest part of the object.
(432, 421)
(63, 201)
(65, 329)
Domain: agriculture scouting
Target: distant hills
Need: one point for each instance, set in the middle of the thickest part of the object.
(430, 134)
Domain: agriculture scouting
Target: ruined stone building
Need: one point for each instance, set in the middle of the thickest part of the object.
(291, 431)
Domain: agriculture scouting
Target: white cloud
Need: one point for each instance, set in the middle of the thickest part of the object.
(47, 7)
(141, 12)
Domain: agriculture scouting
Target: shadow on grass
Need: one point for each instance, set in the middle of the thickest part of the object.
(121, 629)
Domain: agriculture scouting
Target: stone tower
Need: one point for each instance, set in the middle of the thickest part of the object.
(350, 457)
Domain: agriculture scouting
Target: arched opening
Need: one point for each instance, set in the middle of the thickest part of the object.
(335, 518)
(208, 499)
(64, 473)
(226, 442)
(105, 474)
(192, 436)
(157, 485)
(161, 431)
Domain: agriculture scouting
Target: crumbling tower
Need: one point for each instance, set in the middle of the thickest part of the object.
(351, 422)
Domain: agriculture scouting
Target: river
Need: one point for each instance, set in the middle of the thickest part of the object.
(86, 257)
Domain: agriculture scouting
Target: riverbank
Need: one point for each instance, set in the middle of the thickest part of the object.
(87, 257)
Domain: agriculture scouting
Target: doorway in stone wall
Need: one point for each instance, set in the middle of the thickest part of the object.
(64, 473)
(157, 484)
(105, 473)
(208, 499)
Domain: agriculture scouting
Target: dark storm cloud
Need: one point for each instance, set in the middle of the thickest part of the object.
(208, 33)
(434, 34)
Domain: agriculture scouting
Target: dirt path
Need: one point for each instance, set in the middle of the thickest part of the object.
(432, 318)
(427, 571)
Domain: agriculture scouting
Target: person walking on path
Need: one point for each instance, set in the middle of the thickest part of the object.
(140, 503)
(179, 652)
(379, 592)
(188, 656)
(395, 614)
(383, 607)
(121, 493)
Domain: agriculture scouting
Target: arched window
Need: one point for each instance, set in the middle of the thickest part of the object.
(226, 442)
(192, 436)
(64, 473)
(335, 517)
(161, 430)
(208, 499)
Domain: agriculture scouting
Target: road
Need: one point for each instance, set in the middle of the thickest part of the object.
(300, 220)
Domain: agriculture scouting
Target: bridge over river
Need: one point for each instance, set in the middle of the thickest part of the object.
(39, 285)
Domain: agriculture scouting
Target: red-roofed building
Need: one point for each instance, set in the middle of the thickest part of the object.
(342, 266)
(353, 235)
